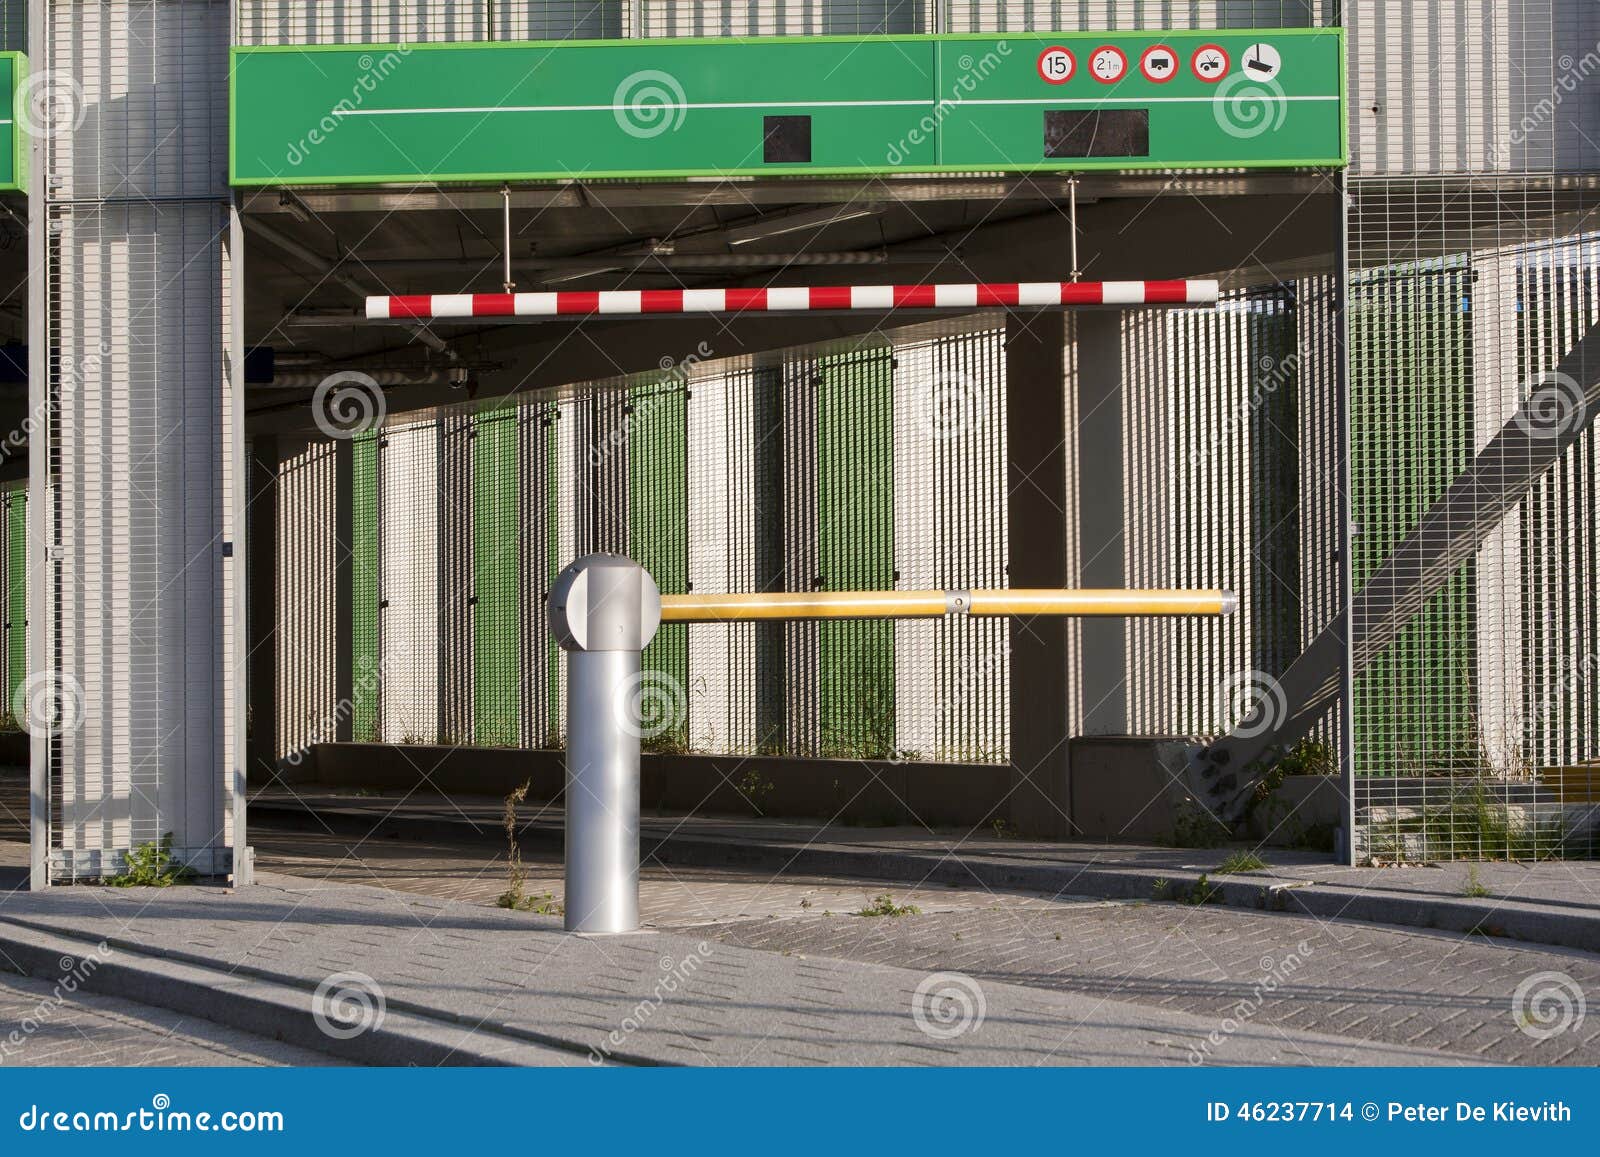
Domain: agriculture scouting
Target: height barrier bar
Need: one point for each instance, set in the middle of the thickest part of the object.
(795, 299)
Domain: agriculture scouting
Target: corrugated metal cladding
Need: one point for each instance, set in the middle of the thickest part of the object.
(1477, 723)
(342, 22)
(876, 468)
(141, 493)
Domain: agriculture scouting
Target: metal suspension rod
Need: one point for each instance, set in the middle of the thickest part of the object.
(505, 248)
(936, 604)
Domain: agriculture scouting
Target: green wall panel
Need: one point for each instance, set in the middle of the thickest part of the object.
(369, 114)
(13, 140)
(1412, 434)
(496, 558)
(366, 675)
(855, 546)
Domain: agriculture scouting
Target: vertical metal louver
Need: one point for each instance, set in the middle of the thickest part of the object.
(307, 618)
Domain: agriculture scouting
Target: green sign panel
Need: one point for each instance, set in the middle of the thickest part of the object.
(801, 105)
(13, 141)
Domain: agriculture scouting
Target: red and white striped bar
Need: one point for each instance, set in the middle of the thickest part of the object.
(802, 299)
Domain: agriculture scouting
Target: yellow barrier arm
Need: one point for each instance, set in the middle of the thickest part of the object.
(739, 608)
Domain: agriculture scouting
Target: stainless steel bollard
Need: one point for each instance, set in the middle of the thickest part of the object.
(603, 610)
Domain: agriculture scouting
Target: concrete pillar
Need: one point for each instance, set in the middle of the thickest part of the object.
(1036, 485)
(1097, 491)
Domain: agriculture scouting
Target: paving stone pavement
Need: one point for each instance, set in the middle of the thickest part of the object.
(1421, 989)
(85, 1029)
(670, 896)
(490, 977)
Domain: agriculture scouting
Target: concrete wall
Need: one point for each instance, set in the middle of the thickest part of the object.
(875, 793)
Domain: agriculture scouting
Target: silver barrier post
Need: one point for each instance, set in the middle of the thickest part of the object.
(604, 609)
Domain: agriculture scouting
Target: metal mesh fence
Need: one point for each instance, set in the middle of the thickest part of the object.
(1477, 730)
(371, 21)
(14, 560)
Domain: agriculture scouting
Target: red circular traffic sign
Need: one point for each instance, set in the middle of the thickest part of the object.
(1056, 65)
(1108, 64)
(1210, 62)
(1159, 64)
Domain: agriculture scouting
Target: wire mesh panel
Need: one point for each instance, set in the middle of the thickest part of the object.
(855, 549)
(371, 21)
(14, 511)
(409, 568)
(1412, 399)
(14, 26)
(422, 21)
(652, 431)
(727, 453)
(457, 637)
(540, 660)
(140, 486)
(307, 619)
(366, 654)
(497, 554)
(1212, 500)
(782, 17)
(1472, 88)
(1075, 15)
(950, 533)
(139, 576)
(1474, 507)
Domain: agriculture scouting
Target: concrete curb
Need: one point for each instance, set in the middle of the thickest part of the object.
(1563, 926)
(267, 1008)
